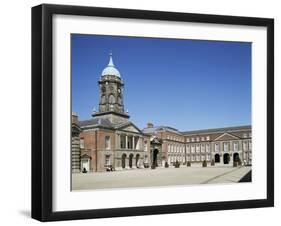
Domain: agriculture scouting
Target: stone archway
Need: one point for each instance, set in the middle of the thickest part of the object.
(226, 158)
(217, 158)
(236, 157)
(154, 157)
(131, 160)
(124, 160)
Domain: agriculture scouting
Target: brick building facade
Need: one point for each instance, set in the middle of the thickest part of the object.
(111, 141)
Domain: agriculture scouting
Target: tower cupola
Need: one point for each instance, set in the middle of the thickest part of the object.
(111, 87)
(110, 69)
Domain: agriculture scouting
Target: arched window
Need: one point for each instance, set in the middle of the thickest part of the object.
(103, 99)
(111, 99)
(119, 100)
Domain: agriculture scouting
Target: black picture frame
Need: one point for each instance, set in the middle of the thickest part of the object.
(42, 111)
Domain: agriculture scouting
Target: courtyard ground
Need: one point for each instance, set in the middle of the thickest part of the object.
(158, 177)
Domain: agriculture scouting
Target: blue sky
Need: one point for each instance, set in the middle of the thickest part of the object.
(185, 84)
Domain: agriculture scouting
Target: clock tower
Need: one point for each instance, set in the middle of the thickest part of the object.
(111, 87)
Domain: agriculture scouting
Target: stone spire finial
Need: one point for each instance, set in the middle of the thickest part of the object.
(110, 64)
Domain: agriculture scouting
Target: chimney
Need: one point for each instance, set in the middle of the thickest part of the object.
(74, 118)
(150, 125)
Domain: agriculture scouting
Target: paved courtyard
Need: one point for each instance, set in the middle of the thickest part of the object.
(158, 177)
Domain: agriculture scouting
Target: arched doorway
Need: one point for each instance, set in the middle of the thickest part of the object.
(217, 158)
(137, 160)
(226, 158)
(131, 160)
(236, 157)
(154, 160)
(124, 160)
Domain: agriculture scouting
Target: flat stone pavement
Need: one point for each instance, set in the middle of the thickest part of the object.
(158, 177)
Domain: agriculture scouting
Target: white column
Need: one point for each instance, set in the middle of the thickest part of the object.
(133, 142)
(126, 145)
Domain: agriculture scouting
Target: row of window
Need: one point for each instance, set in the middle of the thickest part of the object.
(197, 139)
(207, 147)
(226, 147)
(172, 158)
(106, 142)
(175, 138)
(174, 148)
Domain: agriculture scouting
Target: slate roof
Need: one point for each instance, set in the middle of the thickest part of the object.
(151, 130)
(217, 130)
(100, 122)
(96, 122)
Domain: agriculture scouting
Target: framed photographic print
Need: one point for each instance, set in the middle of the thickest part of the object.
(145, 112)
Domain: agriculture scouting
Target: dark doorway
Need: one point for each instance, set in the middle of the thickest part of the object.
(124, 161)
(217, 158)
(155, 153)
(131, 160)
(226, 158)
(236, 157)
(137, 160)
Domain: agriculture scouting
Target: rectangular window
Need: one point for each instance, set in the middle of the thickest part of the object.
(198, 148)
(245, 145)
(208, 138)
(207, 147)
(107, 142)
(197, 157)
(202, 147)
(107, 160)
(122, 141)
(235, 146)
(192, 149)
(82, 143)
(225, 146)
(217, 147)
(130, 142)
(192, 158)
